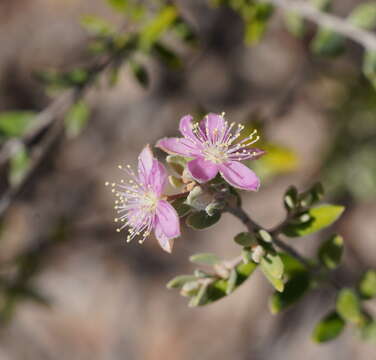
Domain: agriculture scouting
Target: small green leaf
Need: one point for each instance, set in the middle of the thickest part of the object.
(364, 16)
(231, 282)
(330, 251)
(217, 289)
(295, 289)
(76, 76)
(348, 306)
(190, 288)
(15, 123)
(205, 259)
(140, 73)
(157, 26)
(76, 119)
(294, 23)
(291, 266)
(133, 9)
(369, 66)
(181, 208)
(290, 199)
(321, 217)
(19, 166)
(328, 328)
(328, 43)
(166, 55)
(273, 265)
(179, 281)
(201, 298)
(277, 283)
(119, 5)
(96, 25)
(245, 239)
(201, 220)
(312, 195)
(201, 274)
(256, 21)
(367, 285)
(185, 32)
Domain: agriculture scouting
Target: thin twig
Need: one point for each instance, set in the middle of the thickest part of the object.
(46, 119)
(337, 24)
(252, 226)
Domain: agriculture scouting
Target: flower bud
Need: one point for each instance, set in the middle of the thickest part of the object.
(257, 253)
(199, 199)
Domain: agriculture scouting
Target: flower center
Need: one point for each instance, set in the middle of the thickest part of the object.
(216, 154)
(149, 201)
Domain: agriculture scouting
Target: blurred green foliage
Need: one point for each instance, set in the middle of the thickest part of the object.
(349, 168)
(15, 123)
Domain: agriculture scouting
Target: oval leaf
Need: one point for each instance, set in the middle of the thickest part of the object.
(294, 290)
(76, 119)
(328, 328)
(364, 16)
(218, 289)
(231, 282)
(273, 265)
(19, 166)
(245, 239)
(181, 208)
(201, 220)
(348, 306)
(367, 285)
(328, 43)
(294, 23)
(330, 252)
(179, 281)
(320, 218)
(15, 123)
(205, 259)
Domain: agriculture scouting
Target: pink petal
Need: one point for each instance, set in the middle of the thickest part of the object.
(158, 178)
(202, 170)
(167, 225)
(178, 146)
(212, 125)
(239, 176)
(185, 126)
(165, 243)
(145, 164)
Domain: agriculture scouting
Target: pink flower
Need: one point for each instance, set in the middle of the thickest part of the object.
(141, 206)
(215, 148)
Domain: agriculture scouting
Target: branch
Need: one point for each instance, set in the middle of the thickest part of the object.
(51, 118)
(252, 226)
(338, 25)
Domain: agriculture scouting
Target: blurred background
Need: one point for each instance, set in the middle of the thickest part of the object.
(70, 286)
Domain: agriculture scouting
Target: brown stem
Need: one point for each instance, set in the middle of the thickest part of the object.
(177, 196)
(252, 226)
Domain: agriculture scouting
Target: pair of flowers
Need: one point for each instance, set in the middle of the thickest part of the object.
(213, 146)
